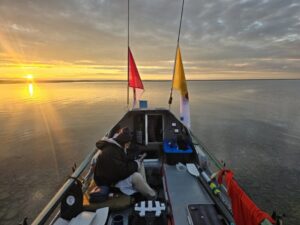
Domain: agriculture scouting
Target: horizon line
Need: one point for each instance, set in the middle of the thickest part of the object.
(15, 81)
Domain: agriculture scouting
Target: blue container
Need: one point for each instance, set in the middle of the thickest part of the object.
(170, 147)
(143, 104)
(175, 155)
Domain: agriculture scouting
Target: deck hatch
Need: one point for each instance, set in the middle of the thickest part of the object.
(203, 214)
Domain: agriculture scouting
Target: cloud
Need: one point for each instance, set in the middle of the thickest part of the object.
(222, 35)
(19, 28)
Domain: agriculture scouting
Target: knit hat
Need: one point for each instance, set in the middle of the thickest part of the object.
(124, 136)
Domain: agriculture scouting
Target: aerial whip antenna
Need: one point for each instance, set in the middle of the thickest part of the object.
(171, 98)
(128, 57)
(133, 77)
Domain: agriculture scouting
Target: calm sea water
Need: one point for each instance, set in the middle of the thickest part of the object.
(254, 126)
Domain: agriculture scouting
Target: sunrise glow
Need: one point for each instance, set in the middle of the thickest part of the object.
(29, 77)
(213, 46)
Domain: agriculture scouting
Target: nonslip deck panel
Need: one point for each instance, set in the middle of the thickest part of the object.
(183, 190)
(204, 215)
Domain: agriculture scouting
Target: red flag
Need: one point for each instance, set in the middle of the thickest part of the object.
(134, 76)
(245, 212)
(134, 79)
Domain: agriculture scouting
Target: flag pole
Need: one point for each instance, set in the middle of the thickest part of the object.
(134, 98)
(171, 93)
(128, 58)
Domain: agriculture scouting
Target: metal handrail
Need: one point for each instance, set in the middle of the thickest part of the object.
(208, 153)
(51, 206)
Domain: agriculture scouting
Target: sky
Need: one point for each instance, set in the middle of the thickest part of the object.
(87, 39)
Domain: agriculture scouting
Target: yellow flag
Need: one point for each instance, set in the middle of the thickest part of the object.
(179, 81)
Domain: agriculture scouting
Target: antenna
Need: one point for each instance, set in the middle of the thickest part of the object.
(171, 93)
(128, 58)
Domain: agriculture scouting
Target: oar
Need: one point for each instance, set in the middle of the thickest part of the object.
(192, 169)
(204, 179)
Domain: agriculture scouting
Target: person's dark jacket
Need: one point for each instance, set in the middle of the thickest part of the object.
(112, 164)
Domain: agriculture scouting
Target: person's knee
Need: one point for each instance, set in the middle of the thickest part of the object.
(140, 184)
(136, 177)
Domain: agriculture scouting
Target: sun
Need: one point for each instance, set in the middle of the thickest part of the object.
(29, 76)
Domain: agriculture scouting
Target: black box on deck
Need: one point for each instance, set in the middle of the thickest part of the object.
(175, 155)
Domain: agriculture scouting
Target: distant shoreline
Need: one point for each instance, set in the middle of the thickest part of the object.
(5, 81)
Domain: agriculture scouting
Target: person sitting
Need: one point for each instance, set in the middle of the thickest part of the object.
(114, 167)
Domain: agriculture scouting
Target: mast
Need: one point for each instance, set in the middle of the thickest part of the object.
(178, 38)
(128, 57)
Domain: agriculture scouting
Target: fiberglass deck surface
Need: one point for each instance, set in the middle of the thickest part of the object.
(183, 189)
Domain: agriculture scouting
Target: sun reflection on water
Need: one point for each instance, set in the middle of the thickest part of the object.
(30, 89)
(33, 91)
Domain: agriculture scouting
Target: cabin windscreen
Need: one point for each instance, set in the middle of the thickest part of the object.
(154, 128)
(139, 127)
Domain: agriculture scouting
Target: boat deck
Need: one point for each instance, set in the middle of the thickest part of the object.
(183, 190)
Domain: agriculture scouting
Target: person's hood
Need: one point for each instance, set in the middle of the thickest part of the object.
(105, 140)
(124, 136)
